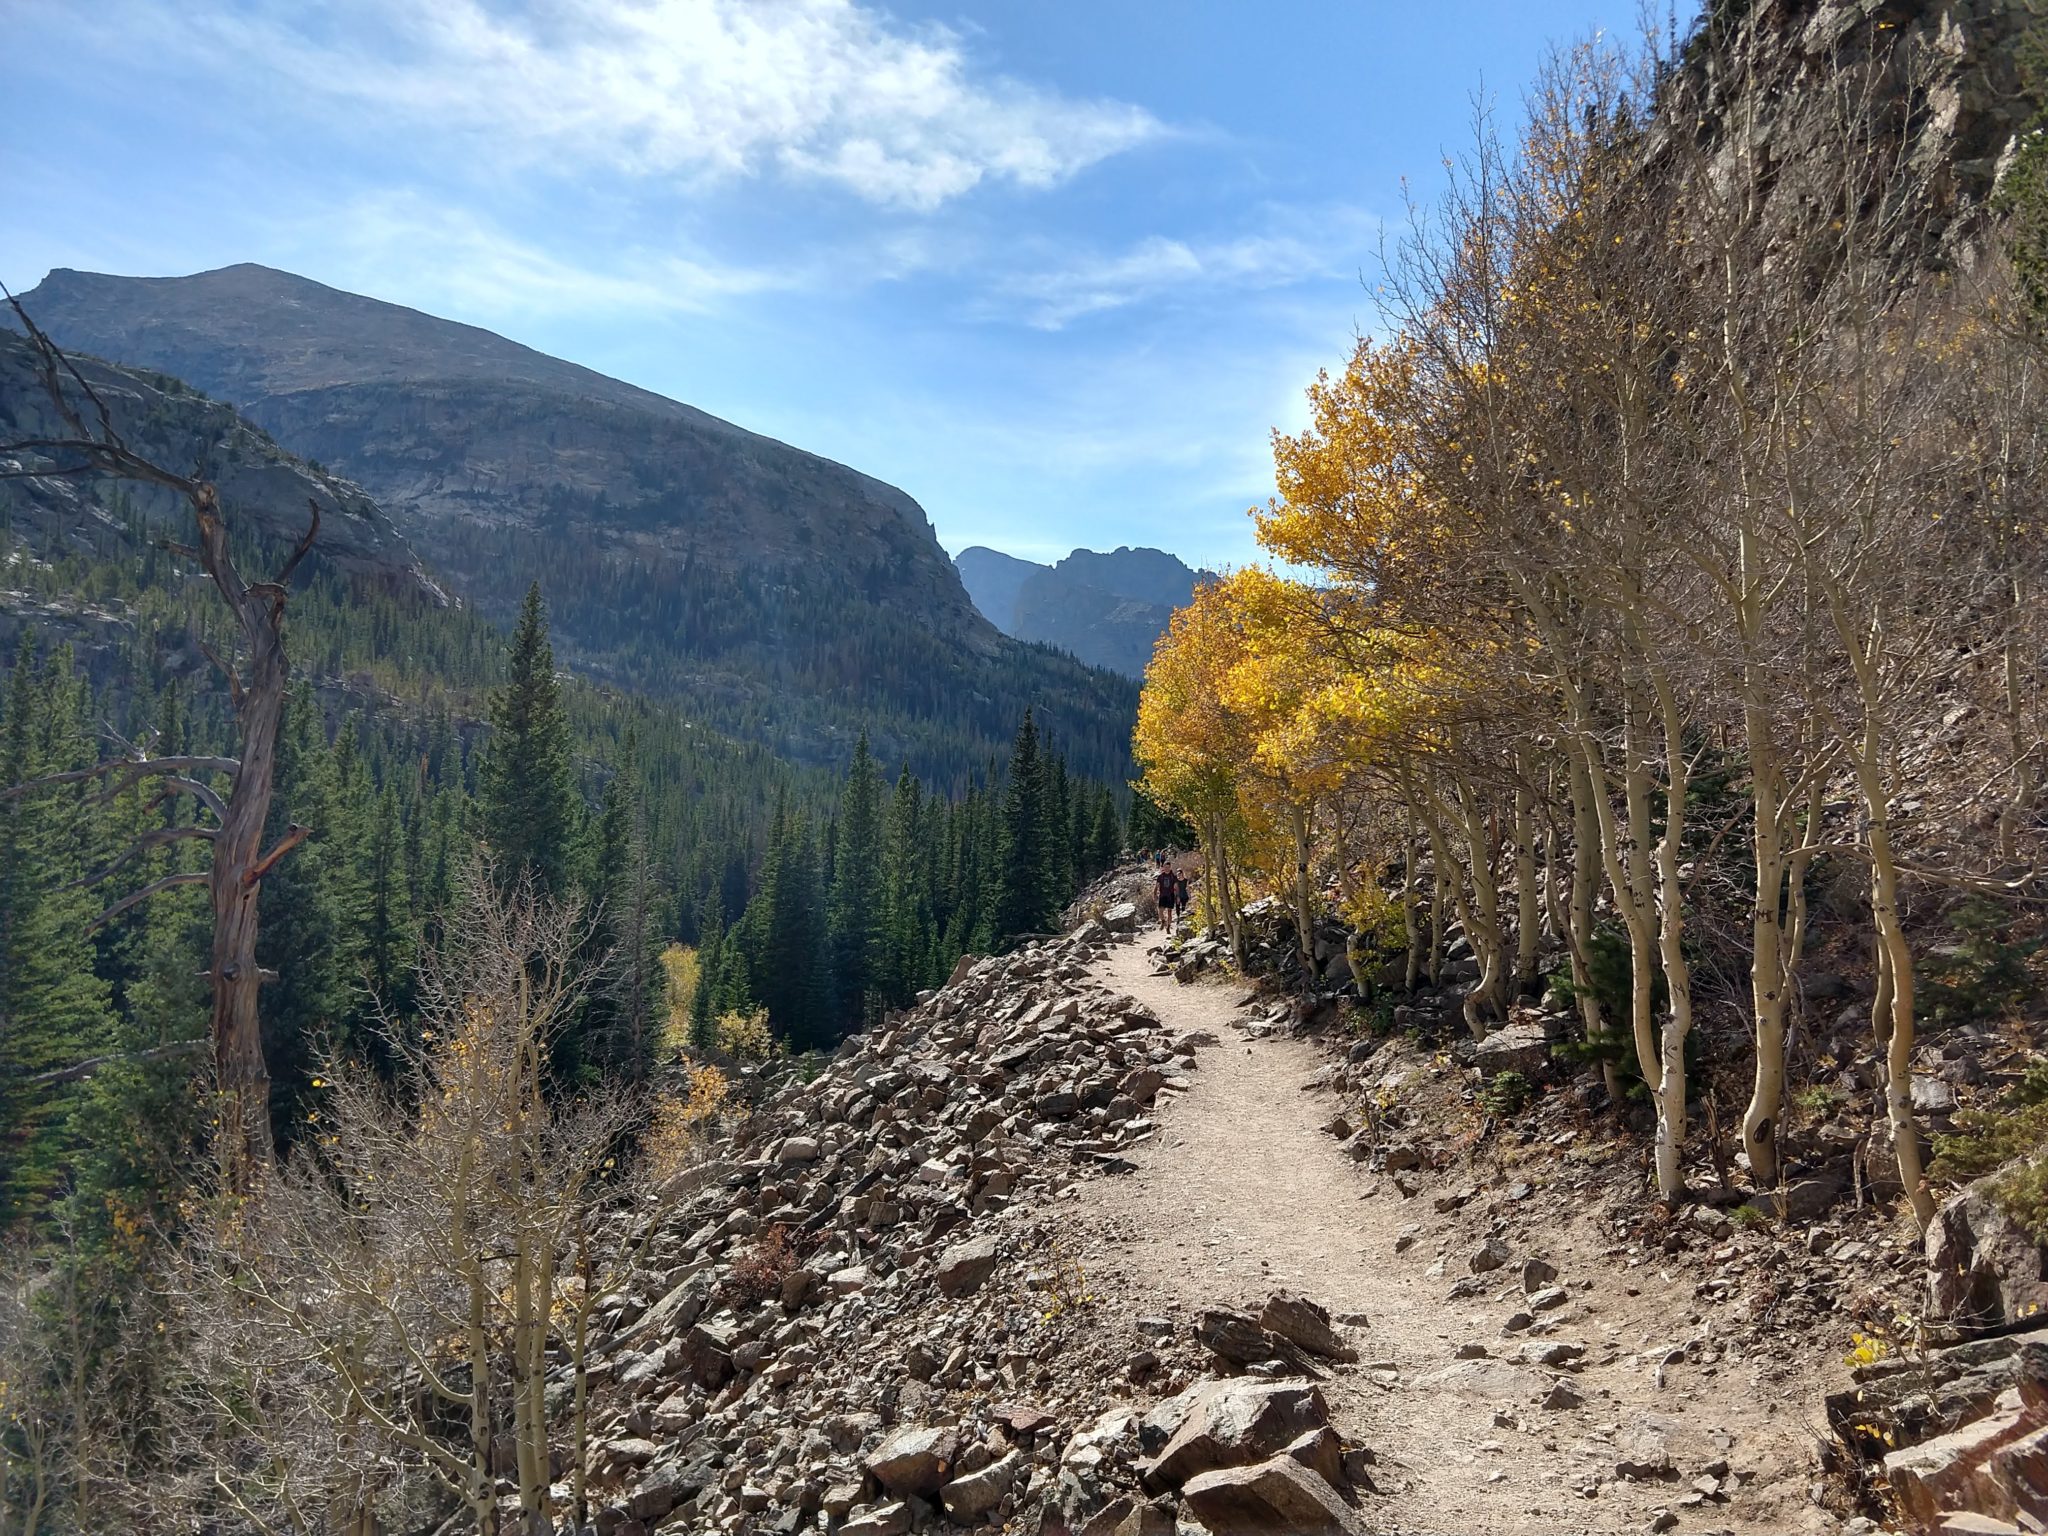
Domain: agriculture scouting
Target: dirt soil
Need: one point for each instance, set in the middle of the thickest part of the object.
(1242, 1192)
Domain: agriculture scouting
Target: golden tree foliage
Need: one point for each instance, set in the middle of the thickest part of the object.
(1633, 483)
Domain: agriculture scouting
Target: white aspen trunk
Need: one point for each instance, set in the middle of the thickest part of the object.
(1304, 921)
(1625, 853)
(1528, 910)
(1898, 955)
(1671, 947)
(1410, 929)
(1436, 918)
(1579, 928)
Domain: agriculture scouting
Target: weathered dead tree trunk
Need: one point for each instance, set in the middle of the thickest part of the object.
(239, 861)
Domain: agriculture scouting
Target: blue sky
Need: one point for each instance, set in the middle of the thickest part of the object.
(1056, 267)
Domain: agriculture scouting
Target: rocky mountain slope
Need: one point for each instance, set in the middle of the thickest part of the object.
(784, 596)
(264, 490)
(1106, 609)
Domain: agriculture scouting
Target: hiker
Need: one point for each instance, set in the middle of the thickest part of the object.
(1166, 888)
(1181, 901)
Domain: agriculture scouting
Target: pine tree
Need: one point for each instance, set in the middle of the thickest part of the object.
(527, 793)
(1105, 839)
(54, 1007)
(855, 913)
(782, 937)
(906, 899)
(619, 1022)
(706, 1004)
(1025, 879)
(389, 935)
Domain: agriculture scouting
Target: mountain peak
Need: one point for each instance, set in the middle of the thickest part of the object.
(1107, 609)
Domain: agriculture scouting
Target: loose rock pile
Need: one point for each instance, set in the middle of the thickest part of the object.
(871, 1321)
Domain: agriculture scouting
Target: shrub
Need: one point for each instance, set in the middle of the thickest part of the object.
(1985, 975)
(745, 1035)
(1820, 1101)
(1376, 918)
(1986, 1141)
(1507, 1095)
(677, 1129)
(757, 1274)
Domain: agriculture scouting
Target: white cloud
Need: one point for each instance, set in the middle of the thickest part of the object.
(465, 262)
(1303, 246)
(694, 90)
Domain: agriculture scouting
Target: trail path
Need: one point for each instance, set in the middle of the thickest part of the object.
(1242, 1193)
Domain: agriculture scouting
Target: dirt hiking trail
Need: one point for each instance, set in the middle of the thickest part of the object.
(1242, 1193)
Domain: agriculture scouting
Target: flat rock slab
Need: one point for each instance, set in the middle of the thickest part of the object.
(965, 1266)
(1278, 1497)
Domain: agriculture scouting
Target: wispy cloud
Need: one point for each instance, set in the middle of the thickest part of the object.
(1300, 245)
(696, 90)
(467, 263)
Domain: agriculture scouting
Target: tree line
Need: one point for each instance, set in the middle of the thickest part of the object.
(824, 902)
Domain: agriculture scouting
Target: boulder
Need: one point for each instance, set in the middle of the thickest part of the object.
(1537, 1274)
(1983, 1270)
(964, 1266)
(1800, 1200)
(1490, 1255)
(1522, 1047)
(1121, 917)
(1275, 1497)
(892, 1519)
(1238, 1340)
(706, 1352)
(1305, 1323)
(1997, 1466)
(968, 1498)
(797, 1149)
(1230, 1424)
(914, 1460)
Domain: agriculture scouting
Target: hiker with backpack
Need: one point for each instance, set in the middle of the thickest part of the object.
(1166, 889)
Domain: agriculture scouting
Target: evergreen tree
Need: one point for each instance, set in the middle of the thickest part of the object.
(619, 1023)
(705, 1003)
(1025, 880)
(55, 1009)
(315, 912)
(1105, 839)
(856, 910)
(389, 933)
(906, 900)
(782, 936)
(527, 793)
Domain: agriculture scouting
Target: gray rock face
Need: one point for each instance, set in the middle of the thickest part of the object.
(263, 488)
(503, 466)
(1108, 610)
(1982, 1270)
